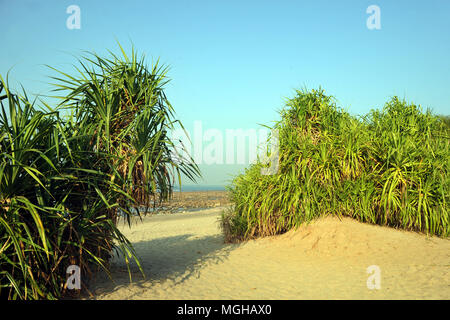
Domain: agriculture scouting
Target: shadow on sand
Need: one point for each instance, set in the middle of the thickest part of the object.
(175, 258)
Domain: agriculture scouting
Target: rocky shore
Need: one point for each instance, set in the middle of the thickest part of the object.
(184, 201)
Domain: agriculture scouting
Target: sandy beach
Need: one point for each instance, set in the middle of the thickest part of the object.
(184, 257)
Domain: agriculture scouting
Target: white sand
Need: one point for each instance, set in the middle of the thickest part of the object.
(184, 257)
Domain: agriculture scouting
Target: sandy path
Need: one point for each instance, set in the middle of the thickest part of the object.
(184, 257)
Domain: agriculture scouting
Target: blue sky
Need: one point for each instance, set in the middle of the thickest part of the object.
(233, 62)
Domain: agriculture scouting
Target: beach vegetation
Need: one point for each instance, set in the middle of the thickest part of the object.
(69, 172)
(389, 167)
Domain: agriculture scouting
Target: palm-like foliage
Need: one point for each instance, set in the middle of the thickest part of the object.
(390, 168)
(66, 173)
(121, 104)
(51, 211)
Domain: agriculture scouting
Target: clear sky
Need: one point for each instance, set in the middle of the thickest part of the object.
(233, 62)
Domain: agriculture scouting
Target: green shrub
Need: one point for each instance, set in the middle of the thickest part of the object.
(390, 168)
(66, 173)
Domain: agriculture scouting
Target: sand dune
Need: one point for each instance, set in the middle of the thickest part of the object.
(184, 257)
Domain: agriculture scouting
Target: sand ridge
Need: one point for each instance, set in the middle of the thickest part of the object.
(184, 257)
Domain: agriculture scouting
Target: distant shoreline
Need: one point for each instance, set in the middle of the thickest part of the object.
(190, 200)
(199, 188)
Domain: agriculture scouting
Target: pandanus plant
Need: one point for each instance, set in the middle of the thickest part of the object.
(66, 172)
(390, 167)
(122, 106)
